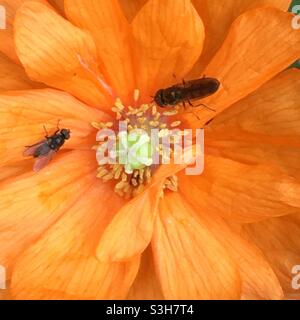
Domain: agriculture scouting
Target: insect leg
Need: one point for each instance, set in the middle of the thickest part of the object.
(189, 102)
(192, 111)
(204, 105)
(208, 122)
(195, 114)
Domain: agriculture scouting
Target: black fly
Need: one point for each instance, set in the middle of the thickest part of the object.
(44, 150)
(187, 92)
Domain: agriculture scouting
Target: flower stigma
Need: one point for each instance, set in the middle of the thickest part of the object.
(138, 142)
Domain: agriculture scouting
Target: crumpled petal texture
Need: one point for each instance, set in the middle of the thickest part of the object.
(230, 233)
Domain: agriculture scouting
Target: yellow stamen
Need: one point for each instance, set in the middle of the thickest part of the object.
(175, 124)
(170, 113)
(129, 182)
(136, 95)
(154, 110)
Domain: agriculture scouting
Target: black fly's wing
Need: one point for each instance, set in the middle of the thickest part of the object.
(42, 152)
(43, 160)
(31, 150)
(202, 88)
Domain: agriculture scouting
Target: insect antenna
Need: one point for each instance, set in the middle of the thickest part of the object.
(57, 126)
(45, 129)
(58, 122)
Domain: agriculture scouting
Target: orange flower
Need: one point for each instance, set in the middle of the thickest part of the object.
(230, 233)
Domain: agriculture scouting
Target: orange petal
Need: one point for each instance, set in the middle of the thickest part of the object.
(243, 64)
(7, 44)
(111, 32)
(23, 114)
(272, 110)
(136, 222)
(53, 51)
(15, 169)
(218, 19)
(132, 224)
(131, 8)
(257, 283)
(169, 37)
(245, 193)
(263, 128)
(281, 157)
(13, 76)
(146, 285)
(190, 262)
(5, 295)
(279, 239)
(58, 5)
(30, 203)
(62, 264)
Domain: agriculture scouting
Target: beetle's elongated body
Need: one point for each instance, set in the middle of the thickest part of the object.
(186, 92)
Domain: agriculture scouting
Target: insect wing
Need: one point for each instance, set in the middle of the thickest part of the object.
(202, 88)
(30, 150)
(42, 161)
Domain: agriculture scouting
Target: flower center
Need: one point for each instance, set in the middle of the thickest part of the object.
(138, 143)
(127, 157)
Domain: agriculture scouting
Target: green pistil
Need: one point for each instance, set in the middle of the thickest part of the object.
(134, 150)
